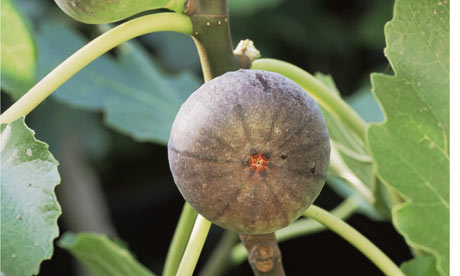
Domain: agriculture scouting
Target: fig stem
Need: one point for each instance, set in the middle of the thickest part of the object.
(264, 255)
(180, 239)
(211, 34)
(302, 227)
(358, 240)
(105, 42)
(320, 92)
(194, 246)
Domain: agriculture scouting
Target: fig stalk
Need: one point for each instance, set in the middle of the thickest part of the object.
(211, 34)
(264, 255)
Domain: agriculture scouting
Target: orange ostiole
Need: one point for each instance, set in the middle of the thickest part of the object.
(258, 162)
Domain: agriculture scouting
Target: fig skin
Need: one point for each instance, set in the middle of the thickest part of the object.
(106, 11)
(249, 151)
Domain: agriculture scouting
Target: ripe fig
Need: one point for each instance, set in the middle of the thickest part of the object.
(249, 151)
(106, 11)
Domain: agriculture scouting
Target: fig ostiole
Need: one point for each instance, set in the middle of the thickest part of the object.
(249, 151)
(106, 11)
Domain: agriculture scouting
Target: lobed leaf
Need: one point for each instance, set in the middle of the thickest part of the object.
(411, 148)
(29, 209)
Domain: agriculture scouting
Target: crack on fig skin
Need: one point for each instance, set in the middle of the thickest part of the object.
(202, 157)
(239, 110)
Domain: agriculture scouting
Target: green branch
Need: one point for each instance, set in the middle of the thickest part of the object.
(220, 258)
(179, 241)
(194, 246)
(69, 67)
(356, 239)
(320, 92)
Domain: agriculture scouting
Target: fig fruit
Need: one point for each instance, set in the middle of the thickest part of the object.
(249, 151)
(106, 11)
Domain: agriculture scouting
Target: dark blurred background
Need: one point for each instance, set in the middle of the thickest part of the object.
(136, 199)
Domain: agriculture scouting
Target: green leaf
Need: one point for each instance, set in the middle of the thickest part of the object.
(420, 266)
(17, 51)
(136, 97)
(101, 255)
(411, 148)
(174, 50)
(29, 209)
(351, 162)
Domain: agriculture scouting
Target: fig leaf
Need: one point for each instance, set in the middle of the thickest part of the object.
(136, 96)
(411, 147)
(29, 209)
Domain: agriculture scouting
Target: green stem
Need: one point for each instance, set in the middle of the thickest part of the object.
(69, 67)
(309, 226)
(220, 256)
(194, 246)
(320, 92)
(179, 241)
(211, 34)
(356, 239)
(301, 227)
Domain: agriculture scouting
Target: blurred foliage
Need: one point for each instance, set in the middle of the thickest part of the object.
(341, 38)
(18, 53)
(111, 257)
(135, 95)
(248, 8)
